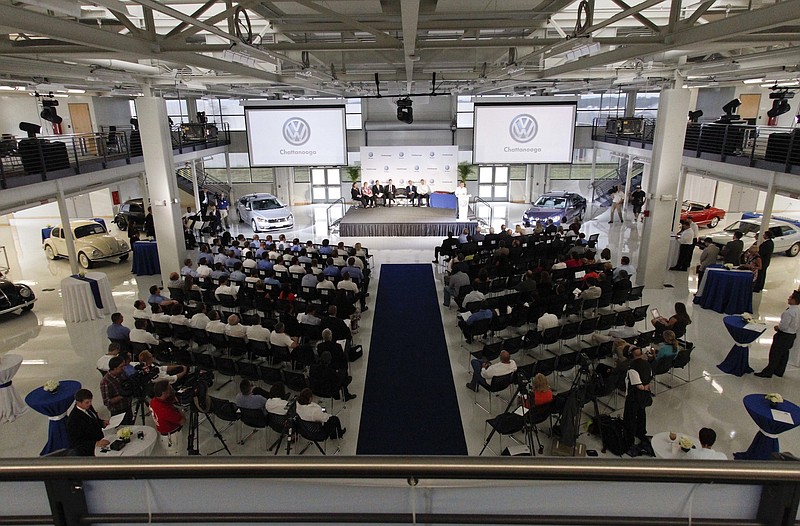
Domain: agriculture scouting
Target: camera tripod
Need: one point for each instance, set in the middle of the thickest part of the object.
(581, 391)
(140, 408)
(288, 427)
(528, 426)
(193, 445)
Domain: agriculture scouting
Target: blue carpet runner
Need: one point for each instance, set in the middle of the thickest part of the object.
(410, 405)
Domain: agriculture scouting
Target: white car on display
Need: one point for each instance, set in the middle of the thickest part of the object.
(786, 233)
(264, 212)
(92, 243)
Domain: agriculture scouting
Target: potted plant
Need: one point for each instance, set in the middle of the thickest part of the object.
(464, 171)
(354, 173)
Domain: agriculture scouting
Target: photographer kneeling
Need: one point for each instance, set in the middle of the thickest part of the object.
(168, 418)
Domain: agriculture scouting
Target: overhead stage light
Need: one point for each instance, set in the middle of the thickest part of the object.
(405, 113)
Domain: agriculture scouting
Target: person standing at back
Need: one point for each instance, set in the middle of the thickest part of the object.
(638, 198)
(765, 250)
(617, 201)
(782, 342)
(637, 382)
(732, 251)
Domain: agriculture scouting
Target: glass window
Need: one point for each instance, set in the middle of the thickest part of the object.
(501, 174)
(352, 121)
(318, 193)
(485, 175)
(485, 191)
(334, 176)
(352, 106)
(334, 192)
(465, 120)
(317, 176)
(465, 104)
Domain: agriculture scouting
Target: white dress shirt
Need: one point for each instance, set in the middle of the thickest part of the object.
(790, 320)
(312, 413)
(499, 369)
(199, 321)
(236, 331)
(258, 333)
(142, 336)
(215, 326)
(706, 454)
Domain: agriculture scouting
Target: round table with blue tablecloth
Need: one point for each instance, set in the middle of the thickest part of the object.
(770, 424)
(738, 360)
(55, 406)
(725, 291)
(145, 258)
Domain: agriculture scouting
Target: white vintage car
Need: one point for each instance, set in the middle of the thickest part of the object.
(92, 243)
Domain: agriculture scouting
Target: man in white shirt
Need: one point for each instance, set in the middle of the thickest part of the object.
(102, 362)
(199, 320)
(423, 192)
(139, 335)
(782, 342)
(280, 338)
(695, 229)
(617, 201)
(234, 329)
(257, 332)
(484, 371)
(249, 262)
(686, 240)
(309, 317)
(323, 283)
(215, 325)
(225, 287)
(547, 321)
(707, 438)
(140, 310)
(203, 270)
(159, 316)
(625, 264)
(473, 296)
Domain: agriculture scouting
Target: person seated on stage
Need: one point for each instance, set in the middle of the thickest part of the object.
(355, 194)
(366, 196)
(483, 371)
(423, 192)
(411, 192)
(389, 191)
(377, 193)
(309, 411)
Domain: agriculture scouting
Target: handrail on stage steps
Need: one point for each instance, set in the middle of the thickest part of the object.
(334, 223)
(482, 222)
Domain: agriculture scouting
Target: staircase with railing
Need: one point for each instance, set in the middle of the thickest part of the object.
(204, 180)
(334, 213)
(482, 211)
(603, 185)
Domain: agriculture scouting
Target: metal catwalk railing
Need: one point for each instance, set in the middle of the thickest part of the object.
(435, 490)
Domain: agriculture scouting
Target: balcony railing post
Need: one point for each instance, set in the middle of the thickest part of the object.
(75, 155)
(724, 143)
(41, 159)
(778, 504)
(67, 501)
(788, 165)
(3, 183)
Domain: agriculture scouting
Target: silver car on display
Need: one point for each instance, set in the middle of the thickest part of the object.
(92, 243)
(786, 233)
(264, 212)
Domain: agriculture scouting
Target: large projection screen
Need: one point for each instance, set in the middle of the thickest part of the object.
(527, 133)
(297, 136)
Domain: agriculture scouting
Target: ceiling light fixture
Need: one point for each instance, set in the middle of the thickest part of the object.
(753, 81)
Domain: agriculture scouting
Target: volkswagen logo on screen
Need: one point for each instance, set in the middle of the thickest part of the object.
(446, 167)
(432, 154)
(386, 168)
(296, 131)
(370, 154)
(416, 168)
(401, 155)
(523, 128)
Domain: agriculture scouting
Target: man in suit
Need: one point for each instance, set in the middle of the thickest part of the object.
(388, 192)
(765, 250)
(378, 192)
(411, 192)
(707, 257)
(732, 251)
(84, 426)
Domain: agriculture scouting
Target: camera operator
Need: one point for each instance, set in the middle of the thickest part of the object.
(112, 391)
(171, 373)
(168, 418)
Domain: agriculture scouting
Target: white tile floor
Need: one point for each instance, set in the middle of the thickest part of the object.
(55, 349)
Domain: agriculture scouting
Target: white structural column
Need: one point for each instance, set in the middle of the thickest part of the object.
(159, 164)
(69, 240)
(195, 186)
(662, 186)
(768, 204)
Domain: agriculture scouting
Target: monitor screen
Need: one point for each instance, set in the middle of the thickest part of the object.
(527, 133)
(297, 136)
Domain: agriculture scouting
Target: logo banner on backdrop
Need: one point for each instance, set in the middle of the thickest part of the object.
(438, 165)
(302, 136)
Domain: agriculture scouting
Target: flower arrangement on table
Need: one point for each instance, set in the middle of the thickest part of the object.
(51, 386)
(747, 317)
(685, 443)
(82, 274)
(728, 266)
(774, 399)
(124, 434)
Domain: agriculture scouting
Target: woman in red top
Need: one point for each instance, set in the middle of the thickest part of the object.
(168, 418)
(540, 391)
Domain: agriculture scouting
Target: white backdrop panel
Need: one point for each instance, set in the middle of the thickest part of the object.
(438, 165)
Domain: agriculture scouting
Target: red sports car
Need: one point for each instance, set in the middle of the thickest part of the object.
(703, 215)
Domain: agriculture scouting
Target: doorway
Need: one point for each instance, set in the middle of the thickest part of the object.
(81, 120)
(750, 105)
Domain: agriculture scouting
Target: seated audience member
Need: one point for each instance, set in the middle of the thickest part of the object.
(548, 320)
(484, 313)
(458, 278)
(219, 271)
(168, 418)
(249, 262)
(139, 334)
(200, 319)
(257, 332)
(270, 279)
(280, 338)
(170, 373)
(159, 315)
(628, 330)
(324, 377)
(447, 247)
(483, 371)
(215, 325)
(237, 276)
(309, 317)
(175, 281)
(667, 349)
(336, 324)
(338, 357)
(203, 270)
(225, 287)
(678, 322)
(324, 283)
(309, 279)
(625, 264)
(234, 329)
(276, 400)
(186, 269)
(140, 310)
(623, 281)
(102, 362)
(309, 411)
(84, 426)
(250, 397)
(541, 393)
(176, 316)
(117, 331)
(263, 262)
(156, 298)
(707, 438)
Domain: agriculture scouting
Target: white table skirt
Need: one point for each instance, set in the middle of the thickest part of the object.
(78, 300)
(134, 448)
(11, 403)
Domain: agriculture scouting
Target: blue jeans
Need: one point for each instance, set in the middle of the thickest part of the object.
(477, 379)
(448, 293)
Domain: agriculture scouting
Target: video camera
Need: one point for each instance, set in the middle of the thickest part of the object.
(136, 386)
(195, 385)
